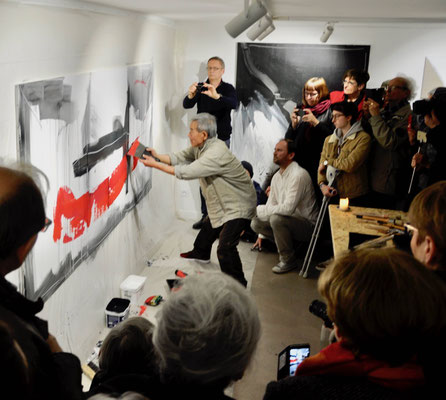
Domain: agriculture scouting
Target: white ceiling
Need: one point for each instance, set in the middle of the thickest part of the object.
(322, 10)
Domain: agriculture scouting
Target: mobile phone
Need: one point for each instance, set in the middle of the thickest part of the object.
(290, 358)
(300, 112)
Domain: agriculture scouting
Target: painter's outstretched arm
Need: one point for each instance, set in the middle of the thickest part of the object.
(162, 165)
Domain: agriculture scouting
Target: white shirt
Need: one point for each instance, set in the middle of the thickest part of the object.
(291, 194)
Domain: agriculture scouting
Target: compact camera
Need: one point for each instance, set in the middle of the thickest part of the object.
(201, 87)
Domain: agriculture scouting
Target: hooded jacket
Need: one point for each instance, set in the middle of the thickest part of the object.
(349, 155)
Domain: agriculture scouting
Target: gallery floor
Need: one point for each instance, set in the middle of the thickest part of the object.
(282, 301)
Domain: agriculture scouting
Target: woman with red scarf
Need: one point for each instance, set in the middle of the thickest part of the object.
(310, 130)
(389, 314)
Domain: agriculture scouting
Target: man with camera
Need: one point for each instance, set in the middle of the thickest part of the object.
(390, 155)
(217, 98)
(291, 210)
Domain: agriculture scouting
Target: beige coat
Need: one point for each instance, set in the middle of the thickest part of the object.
(226, 186)
(352, 181)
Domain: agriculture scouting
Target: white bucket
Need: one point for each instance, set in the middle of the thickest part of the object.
(131, 287)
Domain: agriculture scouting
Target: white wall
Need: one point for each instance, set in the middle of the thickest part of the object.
(38, 43)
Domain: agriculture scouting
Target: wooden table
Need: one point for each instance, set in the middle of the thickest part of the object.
(344, 222)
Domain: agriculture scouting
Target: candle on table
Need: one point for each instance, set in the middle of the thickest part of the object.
(343, 204)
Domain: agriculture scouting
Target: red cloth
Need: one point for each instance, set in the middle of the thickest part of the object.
(339, 96)
(321, 107)
(336, 360)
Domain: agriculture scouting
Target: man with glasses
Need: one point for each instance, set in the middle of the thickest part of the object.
(390, 155)
(427, 216)
(217, 98)
(52, 374)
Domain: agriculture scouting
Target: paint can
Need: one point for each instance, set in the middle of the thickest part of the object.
(116, 311)
(131, 287)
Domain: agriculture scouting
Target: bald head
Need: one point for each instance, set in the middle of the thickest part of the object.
(22, 212)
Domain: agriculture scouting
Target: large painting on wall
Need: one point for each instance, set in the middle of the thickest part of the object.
(78, 129)
(270, 78)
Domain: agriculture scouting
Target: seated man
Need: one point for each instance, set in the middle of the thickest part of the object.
(52, 373)
(427, 216)
(386, 309)
(206, 336)
(291, 210)
(229, 193)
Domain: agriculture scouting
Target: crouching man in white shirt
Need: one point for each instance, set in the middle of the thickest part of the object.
(291, 210)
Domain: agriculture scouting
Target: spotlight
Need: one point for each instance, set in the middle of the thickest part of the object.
(329, 28)
(259, 27)
(246, 18)
(266, 32)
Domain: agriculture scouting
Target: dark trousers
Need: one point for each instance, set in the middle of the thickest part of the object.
(229, 236)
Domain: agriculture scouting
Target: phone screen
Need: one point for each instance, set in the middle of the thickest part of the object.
(297, 355)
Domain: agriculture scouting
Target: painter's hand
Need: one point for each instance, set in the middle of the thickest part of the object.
(328, 191)
(211, 91)
(148, 161)
(295, 119)
(192, 90)
(309, 117)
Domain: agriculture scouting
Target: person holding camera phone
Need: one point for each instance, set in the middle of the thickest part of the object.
(387, 308)
(310, 125)
(217, 98)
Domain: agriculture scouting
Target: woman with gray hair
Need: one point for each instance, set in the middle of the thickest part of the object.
(206, 335)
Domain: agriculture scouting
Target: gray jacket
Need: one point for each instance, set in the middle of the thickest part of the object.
(226, 187)
(390, 152)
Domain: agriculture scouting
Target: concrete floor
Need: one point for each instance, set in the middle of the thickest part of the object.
(283, 302)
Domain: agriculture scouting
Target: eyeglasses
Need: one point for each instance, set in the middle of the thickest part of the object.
(351, 83)
(393, 87)
(311, 94)
(48, 222)
(213, 68)
(336, 116)
(410, 229)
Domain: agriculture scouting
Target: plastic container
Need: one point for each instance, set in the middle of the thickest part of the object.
(116, 311)
(131, 287)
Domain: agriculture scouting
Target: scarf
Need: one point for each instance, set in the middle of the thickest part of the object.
(336, 360)
(321, 107)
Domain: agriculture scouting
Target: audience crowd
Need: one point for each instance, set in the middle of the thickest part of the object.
(387, 306)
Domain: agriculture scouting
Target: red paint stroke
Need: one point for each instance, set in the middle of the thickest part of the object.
(79, 211)
(143, 82)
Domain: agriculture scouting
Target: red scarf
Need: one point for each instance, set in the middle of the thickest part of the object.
(321, 107)
(336, 360)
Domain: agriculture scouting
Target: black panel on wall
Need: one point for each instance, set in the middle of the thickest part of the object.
(279, 71)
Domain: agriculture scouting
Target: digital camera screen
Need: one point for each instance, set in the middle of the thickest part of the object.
(297, 355)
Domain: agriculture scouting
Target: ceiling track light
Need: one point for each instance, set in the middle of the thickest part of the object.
(260, 27)
(250, 15)
(328, 30)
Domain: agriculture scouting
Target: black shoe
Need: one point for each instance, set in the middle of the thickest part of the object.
(193, 256)
(199, 224)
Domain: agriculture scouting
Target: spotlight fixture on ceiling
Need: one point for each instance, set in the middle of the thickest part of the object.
(260, 27)
(251, 14)
(328, 30)
(266, 32)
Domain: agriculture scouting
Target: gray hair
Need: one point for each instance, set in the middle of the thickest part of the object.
(218, 59)
(206, 122)
(128, 347)
(409, 83)
(207, 330)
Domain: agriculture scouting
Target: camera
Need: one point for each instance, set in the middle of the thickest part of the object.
(201, 87)
(319, 309)
(422, 107)
(376, 95)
